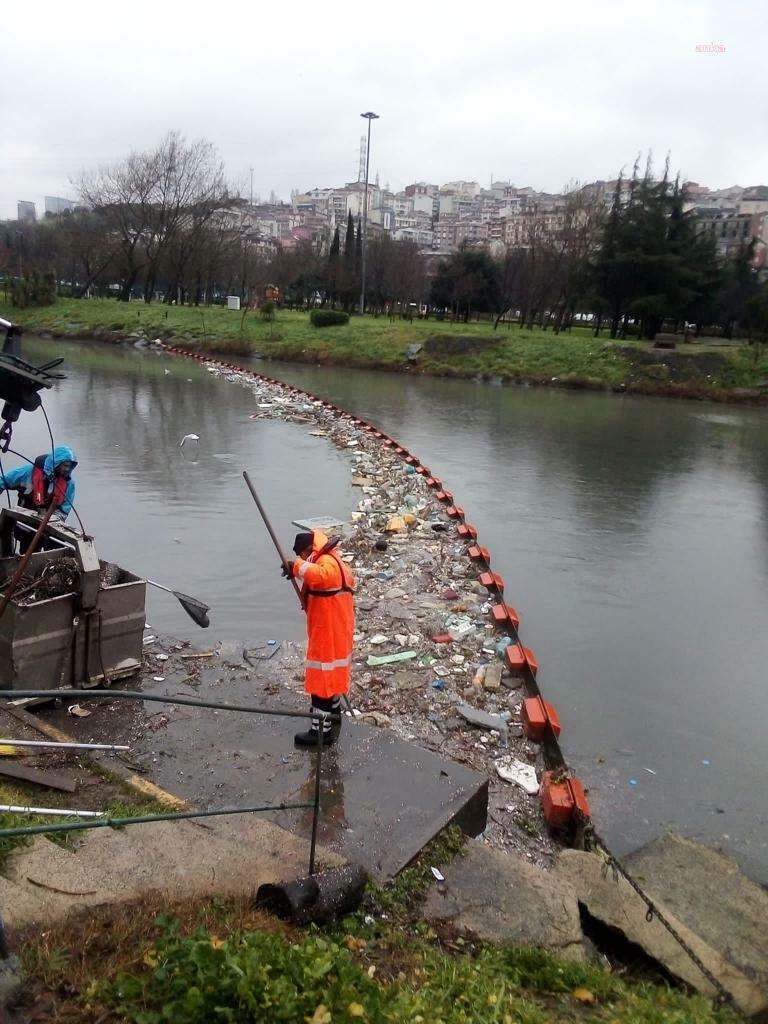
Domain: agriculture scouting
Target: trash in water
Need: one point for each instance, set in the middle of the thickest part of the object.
(189, 437)
(387, 659)
(518, 772)
(460, 629)
(502, 645)
(158, 679)
(633, 782)
(649, 770)
(395, 524)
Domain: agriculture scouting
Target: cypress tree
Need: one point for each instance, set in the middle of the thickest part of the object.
(333, 267)
(349, 243)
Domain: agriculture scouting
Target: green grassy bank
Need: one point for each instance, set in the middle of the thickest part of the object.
(575, 359)
(223, 959)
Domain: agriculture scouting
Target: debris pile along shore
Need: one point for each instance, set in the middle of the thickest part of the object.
(427, 661)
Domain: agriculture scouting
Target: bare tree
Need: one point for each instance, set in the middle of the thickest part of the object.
(149, 199)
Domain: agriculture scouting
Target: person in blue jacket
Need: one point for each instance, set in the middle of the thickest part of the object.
(48, 477)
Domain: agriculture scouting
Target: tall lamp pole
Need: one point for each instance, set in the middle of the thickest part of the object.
(369, 116)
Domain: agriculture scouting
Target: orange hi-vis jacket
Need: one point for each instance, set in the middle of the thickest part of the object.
(327, 590)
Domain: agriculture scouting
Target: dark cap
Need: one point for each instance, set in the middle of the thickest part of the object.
(301, 542)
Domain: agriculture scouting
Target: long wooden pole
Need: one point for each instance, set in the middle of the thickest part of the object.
(275, 541)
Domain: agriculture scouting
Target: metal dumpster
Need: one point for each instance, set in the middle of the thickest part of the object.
(78, 638)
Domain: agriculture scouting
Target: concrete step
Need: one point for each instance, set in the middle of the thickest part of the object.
(44, 882)
(616, 904)
(382, 798)
(50, 881)
(706, 890)
(506, 900)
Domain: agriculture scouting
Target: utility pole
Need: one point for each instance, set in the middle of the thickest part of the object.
(369, 116)
(251, 201)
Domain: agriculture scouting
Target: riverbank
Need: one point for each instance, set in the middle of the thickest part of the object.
(411, 964)
(717, 372)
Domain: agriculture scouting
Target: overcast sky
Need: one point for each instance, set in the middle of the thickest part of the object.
(537, 93)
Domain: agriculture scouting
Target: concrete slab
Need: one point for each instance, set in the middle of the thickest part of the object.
(507, 901)
(49, 882)
(45, 883)
(382, 799)
(707, 892)
(616, 904)
(12, 897)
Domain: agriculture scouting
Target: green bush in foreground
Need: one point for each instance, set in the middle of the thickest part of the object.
(266, 978)
(328, 318)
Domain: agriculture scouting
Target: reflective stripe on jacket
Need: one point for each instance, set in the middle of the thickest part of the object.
(327, 589)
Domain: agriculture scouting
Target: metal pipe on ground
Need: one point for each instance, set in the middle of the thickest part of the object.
(318, 899)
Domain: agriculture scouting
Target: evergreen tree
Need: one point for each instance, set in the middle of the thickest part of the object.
(333, 268)
(358, 247)
(349, 243)
(348, 287)
(653, 263)
(466, 281)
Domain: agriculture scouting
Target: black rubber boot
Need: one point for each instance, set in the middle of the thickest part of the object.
(331, 705)
(309, 738)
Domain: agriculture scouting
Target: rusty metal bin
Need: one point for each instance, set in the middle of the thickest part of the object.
(73, 639)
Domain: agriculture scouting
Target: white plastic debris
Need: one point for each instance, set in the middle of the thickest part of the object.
(460, 630)
(189, 437)
(438, 874)
(77, 712)
(523, 775)
(378, 638)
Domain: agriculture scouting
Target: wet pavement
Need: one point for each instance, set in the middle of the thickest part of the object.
(381, 799)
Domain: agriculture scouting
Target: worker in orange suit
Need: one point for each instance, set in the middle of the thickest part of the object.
(327, 589)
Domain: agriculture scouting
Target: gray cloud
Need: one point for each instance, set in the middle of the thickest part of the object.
(537, 93)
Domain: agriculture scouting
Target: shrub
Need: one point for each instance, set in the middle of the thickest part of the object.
(328, 318)
(267, 310)
(34, 290)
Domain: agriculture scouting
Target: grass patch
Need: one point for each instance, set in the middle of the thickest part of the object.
(401, 898)
(110, 795)
(573, 359)
(221, 960)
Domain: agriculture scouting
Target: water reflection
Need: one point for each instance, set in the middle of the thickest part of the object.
(187, 521)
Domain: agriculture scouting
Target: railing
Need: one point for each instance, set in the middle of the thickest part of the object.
(105, 822)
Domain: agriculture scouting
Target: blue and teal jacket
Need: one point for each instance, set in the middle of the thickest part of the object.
(21, 479)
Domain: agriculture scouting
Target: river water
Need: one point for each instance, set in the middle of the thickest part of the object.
(632, 535)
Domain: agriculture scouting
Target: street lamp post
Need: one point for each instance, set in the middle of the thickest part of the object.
(369, 116)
